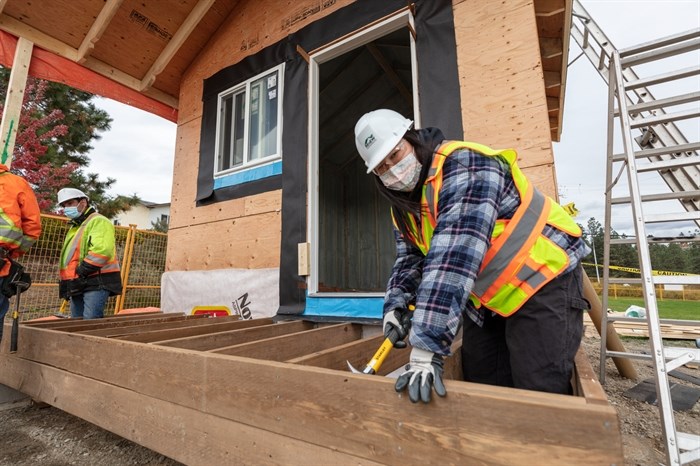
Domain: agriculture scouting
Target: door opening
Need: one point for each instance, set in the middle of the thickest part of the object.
(352, 245)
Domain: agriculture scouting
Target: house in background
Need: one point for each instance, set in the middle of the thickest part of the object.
(144, 215)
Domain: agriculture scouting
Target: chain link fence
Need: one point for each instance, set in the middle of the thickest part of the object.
(141, 256)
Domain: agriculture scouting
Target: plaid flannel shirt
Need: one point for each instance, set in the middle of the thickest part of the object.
(476, 191)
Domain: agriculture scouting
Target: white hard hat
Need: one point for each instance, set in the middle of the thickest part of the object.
(377, 133)
(66, 194)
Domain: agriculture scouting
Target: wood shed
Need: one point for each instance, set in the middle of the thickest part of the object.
(273, 219)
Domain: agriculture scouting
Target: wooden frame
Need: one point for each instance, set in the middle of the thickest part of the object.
(207, 407)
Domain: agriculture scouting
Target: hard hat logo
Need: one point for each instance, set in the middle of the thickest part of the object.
(377, 133)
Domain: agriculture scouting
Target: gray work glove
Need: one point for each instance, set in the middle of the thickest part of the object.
(400, 321)
(423, 373)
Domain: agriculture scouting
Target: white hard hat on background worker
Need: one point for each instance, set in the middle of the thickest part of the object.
(377, 133)
(66, 194)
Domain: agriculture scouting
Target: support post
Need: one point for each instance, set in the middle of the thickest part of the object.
(624, 365)
(14, 98)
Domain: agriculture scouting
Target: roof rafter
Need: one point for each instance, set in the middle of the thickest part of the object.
(98, 28)
(64, 50)
(183, 32)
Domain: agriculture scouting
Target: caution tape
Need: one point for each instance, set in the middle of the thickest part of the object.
(633, 270)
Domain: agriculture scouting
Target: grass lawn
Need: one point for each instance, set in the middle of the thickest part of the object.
(668, 308)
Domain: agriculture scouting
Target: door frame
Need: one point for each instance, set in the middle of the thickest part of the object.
(365, 35)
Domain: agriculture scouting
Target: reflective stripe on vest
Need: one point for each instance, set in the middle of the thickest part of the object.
(11, 234)
(520, 259)
(71, 260)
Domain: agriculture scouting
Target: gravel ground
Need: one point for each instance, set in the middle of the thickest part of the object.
(40, 435)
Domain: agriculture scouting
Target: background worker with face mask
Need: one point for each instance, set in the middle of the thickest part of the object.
(89, 268)
(477, 246)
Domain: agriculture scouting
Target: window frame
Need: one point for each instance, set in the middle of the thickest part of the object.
(232, 91)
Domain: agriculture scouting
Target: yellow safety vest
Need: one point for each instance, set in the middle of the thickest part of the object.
(520, 259)
(76, 249)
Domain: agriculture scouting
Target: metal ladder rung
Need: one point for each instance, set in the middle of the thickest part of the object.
(633, 58)
(669, 164)
(656, 44)
(665, 118)
(684, 239)
(659, 197)
(675, 149)
(662, 103)
(662, 78)
(661, 280)
(672, 217)
(690, 443)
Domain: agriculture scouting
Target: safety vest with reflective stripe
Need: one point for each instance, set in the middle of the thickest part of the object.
(76, 249)
(11, 234)
(520, 259)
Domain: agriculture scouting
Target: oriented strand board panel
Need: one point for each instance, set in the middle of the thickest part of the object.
(501, 79)
(251, 26)
(244, 243)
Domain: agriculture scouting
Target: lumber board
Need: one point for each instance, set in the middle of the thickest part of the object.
(176, 333)
(290, 346)
(232, 337)
(353, 414)
(586, 382)
(129, 319)
(180, 321)
(358, 353)
(93, 324)
(185, 434)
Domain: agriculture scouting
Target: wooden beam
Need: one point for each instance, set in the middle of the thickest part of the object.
(119, 320)
(98, 28)
(235, 337)
(185, 434)
(549, 7)
(64, 50)
(552, 79)
(13, 100)
(296, 344)
(353, 414)
(553, 104)
(168, 334)
(177, 322)
(358, 353)
(179, 38)
(2, 5)
(390, 73)
(550, 47)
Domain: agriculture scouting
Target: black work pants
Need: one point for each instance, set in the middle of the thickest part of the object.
(534, 348)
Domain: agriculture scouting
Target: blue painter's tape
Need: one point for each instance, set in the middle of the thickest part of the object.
(370, 308)
(252, 174)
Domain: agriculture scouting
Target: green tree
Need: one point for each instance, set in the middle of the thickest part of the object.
(160, 225)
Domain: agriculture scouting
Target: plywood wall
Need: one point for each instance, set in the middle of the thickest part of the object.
(501, 80)
(503, 100)
(241, 233)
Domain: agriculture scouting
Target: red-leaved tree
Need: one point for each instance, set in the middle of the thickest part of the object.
(36, 129)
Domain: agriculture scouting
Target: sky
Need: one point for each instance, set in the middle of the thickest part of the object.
(139, 149)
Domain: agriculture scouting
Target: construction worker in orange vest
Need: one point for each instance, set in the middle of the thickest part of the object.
(478, 247)
(20, 227)
(89, 268)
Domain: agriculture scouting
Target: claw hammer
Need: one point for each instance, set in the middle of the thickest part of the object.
(373, 365)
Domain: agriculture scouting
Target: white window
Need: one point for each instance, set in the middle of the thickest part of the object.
(249, 123)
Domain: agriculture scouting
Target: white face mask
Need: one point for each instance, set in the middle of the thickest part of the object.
(404, 175)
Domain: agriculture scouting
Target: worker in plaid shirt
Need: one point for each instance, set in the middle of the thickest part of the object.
(478, 247)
